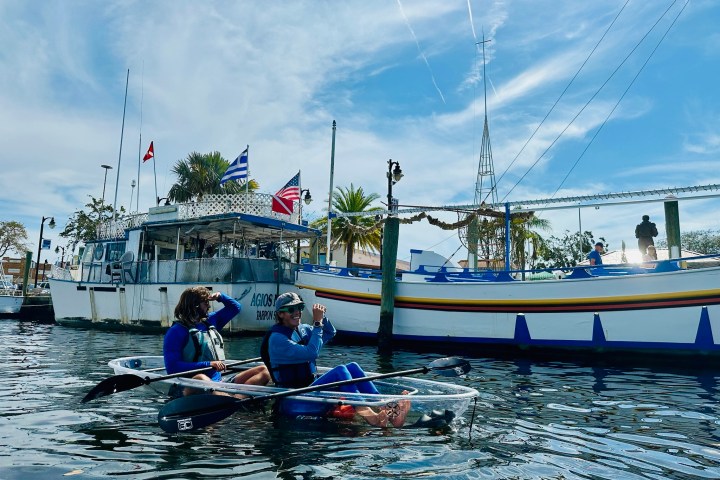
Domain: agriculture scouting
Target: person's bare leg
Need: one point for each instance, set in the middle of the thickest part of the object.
(253, 376)
(370, 416)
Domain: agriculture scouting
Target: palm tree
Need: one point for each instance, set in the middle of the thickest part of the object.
(524, 228)
(199, 174)
(347, 231)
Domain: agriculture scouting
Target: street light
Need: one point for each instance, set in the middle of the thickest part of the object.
(132, 190)
(106, 167)
(51, 224)
(393, 175)
(307, 199)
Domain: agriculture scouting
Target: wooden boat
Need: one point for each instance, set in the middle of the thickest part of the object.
(132, 276)
(666, 308)
(429, 400)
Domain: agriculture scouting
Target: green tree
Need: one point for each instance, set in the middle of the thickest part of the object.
(82, 225)
(352, 232)
(700, 241)
(13, 237)
(524, 231)
(566, 251)
(199, 174)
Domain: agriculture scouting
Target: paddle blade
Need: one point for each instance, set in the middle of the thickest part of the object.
(196, 411)
(114, 384)
(450, 366)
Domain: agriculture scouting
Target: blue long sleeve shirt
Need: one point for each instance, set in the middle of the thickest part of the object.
(177, 337)
(287, 351)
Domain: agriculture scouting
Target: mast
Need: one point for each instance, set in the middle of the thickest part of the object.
(122, 132)
(332, 173)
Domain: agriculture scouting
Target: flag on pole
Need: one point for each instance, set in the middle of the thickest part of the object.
(238, 169)
(284, 198)
(150, 153)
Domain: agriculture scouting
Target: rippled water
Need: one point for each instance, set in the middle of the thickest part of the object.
(534, 419)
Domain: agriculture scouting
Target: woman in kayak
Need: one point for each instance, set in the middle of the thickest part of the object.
(194, 341)
(290, 350)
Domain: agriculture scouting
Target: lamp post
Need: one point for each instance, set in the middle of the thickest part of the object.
(393, 175)
(51, 224)
(307, 199)
(106, 167)
(132, 190)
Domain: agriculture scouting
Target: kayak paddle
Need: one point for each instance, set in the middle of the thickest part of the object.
(128, 381)
(197, 411)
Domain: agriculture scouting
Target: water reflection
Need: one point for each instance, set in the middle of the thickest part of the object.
(534, 419)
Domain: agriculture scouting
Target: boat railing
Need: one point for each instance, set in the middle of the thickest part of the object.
(202, 270)
(258, 204)
(439, 274)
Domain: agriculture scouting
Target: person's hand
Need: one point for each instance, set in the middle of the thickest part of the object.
(218, 365)
(318, 312)
(214, 296)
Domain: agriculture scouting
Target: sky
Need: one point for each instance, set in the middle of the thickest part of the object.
(583, 98)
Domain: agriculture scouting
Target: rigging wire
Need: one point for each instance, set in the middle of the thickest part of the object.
(621, 98)
(597, 92)
(563, 92)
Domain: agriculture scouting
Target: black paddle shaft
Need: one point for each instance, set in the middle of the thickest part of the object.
(198, 411)
(128, 381)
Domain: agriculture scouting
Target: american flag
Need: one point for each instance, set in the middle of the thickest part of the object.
(291, 190)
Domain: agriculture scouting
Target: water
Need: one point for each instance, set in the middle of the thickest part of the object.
(534, 420)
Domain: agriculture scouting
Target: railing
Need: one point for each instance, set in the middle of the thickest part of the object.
(203, 270)
(258, 204)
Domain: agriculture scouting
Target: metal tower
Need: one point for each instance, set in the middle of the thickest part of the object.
(483, 240)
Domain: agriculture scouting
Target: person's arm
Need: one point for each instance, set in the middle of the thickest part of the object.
(284, 351)
(175, 340)
(231, 307)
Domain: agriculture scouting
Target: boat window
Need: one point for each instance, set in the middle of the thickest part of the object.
(97, 252)
(113, 251)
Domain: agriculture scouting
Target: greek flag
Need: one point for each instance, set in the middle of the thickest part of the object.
(238, 169)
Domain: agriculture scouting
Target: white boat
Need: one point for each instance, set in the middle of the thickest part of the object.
(663, 307)
(132, 276)
(11, 298)
(429, 400)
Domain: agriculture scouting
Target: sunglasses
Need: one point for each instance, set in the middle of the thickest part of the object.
(293, 308)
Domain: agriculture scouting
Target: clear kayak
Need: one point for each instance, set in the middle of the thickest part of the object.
(430, 402)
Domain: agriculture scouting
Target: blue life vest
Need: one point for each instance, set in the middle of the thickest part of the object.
(293, 375)
(204, 346)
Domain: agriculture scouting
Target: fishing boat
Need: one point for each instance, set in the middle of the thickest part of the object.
(662, 307)
(11, 298)
(132, 275)
(430, 402)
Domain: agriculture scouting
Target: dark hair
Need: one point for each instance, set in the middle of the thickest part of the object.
(190, 300)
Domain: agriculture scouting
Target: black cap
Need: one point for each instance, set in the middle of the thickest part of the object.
(600, 244)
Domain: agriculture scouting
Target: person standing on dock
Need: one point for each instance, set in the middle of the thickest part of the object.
(194, 341)
(594, 256)
(644, 232)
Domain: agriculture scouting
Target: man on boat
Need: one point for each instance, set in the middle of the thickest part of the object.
(290, 350)
(594, 256)
(194, 341)
(644, 232)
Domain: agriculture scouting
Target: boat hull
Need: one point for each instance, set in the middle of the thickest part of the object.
(10, 304)
(677, 311)
(149, 307)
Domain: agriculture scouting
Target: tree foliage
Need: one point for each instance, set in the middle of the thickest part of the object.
(348, 200)
(13, 238)
(199, 174)
(566, 251)
(82, 225)
(700, 241)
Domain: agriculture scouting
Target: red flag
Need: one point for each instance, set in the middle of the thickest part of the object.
(282, 205)
(150, 153)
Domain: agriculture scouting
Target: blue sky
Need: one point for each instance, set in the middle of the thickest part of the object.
(403, 80)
